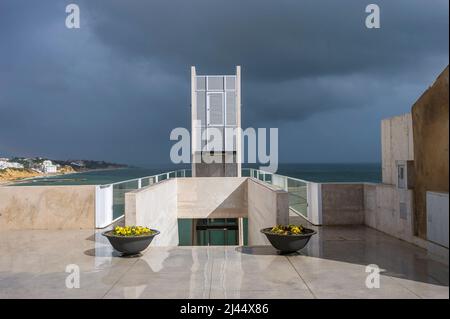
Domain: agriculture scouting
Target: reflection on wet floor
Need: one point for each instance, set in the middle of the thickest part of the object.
(333, 265)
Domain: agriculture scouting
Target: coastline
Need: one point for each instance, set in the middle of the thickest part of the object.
(318, 173)
(44, 176)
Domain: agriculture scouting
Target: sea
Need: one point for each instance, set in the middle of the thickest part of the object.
(322, 173)
(360, 172)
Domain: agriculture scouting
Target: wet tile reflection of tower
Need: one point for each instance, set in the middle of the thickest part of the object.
(216, 106)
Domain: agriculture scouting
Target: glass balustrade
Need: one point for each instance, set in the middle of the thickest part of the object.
(119, 191)
(297, 189)
(121, 188)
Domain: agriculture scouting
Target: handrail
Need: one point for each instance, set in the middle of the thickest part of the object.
(184, 170)
(292, 178)
(259, 172)
(144, 177)
(107, 199)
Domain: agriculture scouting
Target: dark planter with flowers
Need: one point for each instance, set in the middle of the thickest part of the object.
(130, 240)
(288, 239)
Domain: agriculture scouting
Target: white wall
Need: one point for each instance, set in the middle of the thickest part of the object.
(159, 205)
(396, 144)
(382, 210)
(314, 194)
(437, 218)
(155, 206)
(103, 206)
(212, 197)
(267, 206)
(47, 207)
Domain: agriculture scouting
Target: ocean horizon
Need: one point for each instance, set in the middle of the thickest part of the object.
(321, 173)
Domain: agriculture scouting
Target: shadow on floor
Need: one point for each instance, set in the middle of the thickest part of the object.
(103, 252)
(261, 251)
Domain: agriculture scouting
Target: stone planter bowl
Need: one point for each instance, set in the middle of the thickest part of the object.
(130, 245)
(286, 244)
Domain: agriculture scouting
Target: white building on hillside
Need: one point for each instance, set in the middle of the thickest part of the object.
(48, 167)
(7, 164)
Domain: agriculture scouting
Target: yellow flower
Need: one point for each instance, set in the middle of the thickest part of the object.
(287, 230)
(131, 230)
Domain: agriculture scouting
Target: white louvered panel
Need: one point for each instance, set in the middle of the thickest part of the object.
(201, 83)
(215, 109)
(230, 83)
(230, 139)
(203, 138)
(201, 107)
(217, 133)
(215, 83)
(231, 108)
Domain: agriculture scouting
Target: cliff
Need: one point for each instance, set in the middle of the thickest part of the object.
(10, 174)
(66, 169)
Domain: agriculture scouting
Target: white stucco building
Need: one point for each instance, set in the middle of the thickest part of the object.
(7, 164)
(48, 167)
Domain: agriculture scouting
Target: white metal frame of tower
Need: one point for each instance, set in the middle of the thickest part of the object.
(216, 103)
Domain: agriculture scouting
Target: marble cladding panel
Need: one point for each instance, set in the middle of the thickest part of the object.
(212, 197)
(267, 206)
(382, 210)
(155, 207)
(342, 204)
(47, 207)
(158, 206)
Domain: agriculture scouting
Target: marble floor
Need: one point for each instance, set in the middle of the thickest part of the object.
(33, 264)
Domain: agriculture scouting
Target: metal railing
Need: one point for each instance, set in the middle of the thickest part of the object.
(297, 188)
(110, 198)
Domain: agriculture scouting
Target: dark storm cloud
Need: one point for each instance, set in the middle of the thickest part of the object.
(115, 88)
(274, 40)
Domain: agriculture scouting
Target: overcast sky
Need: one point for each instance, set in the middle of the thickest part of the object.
(115, 88)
